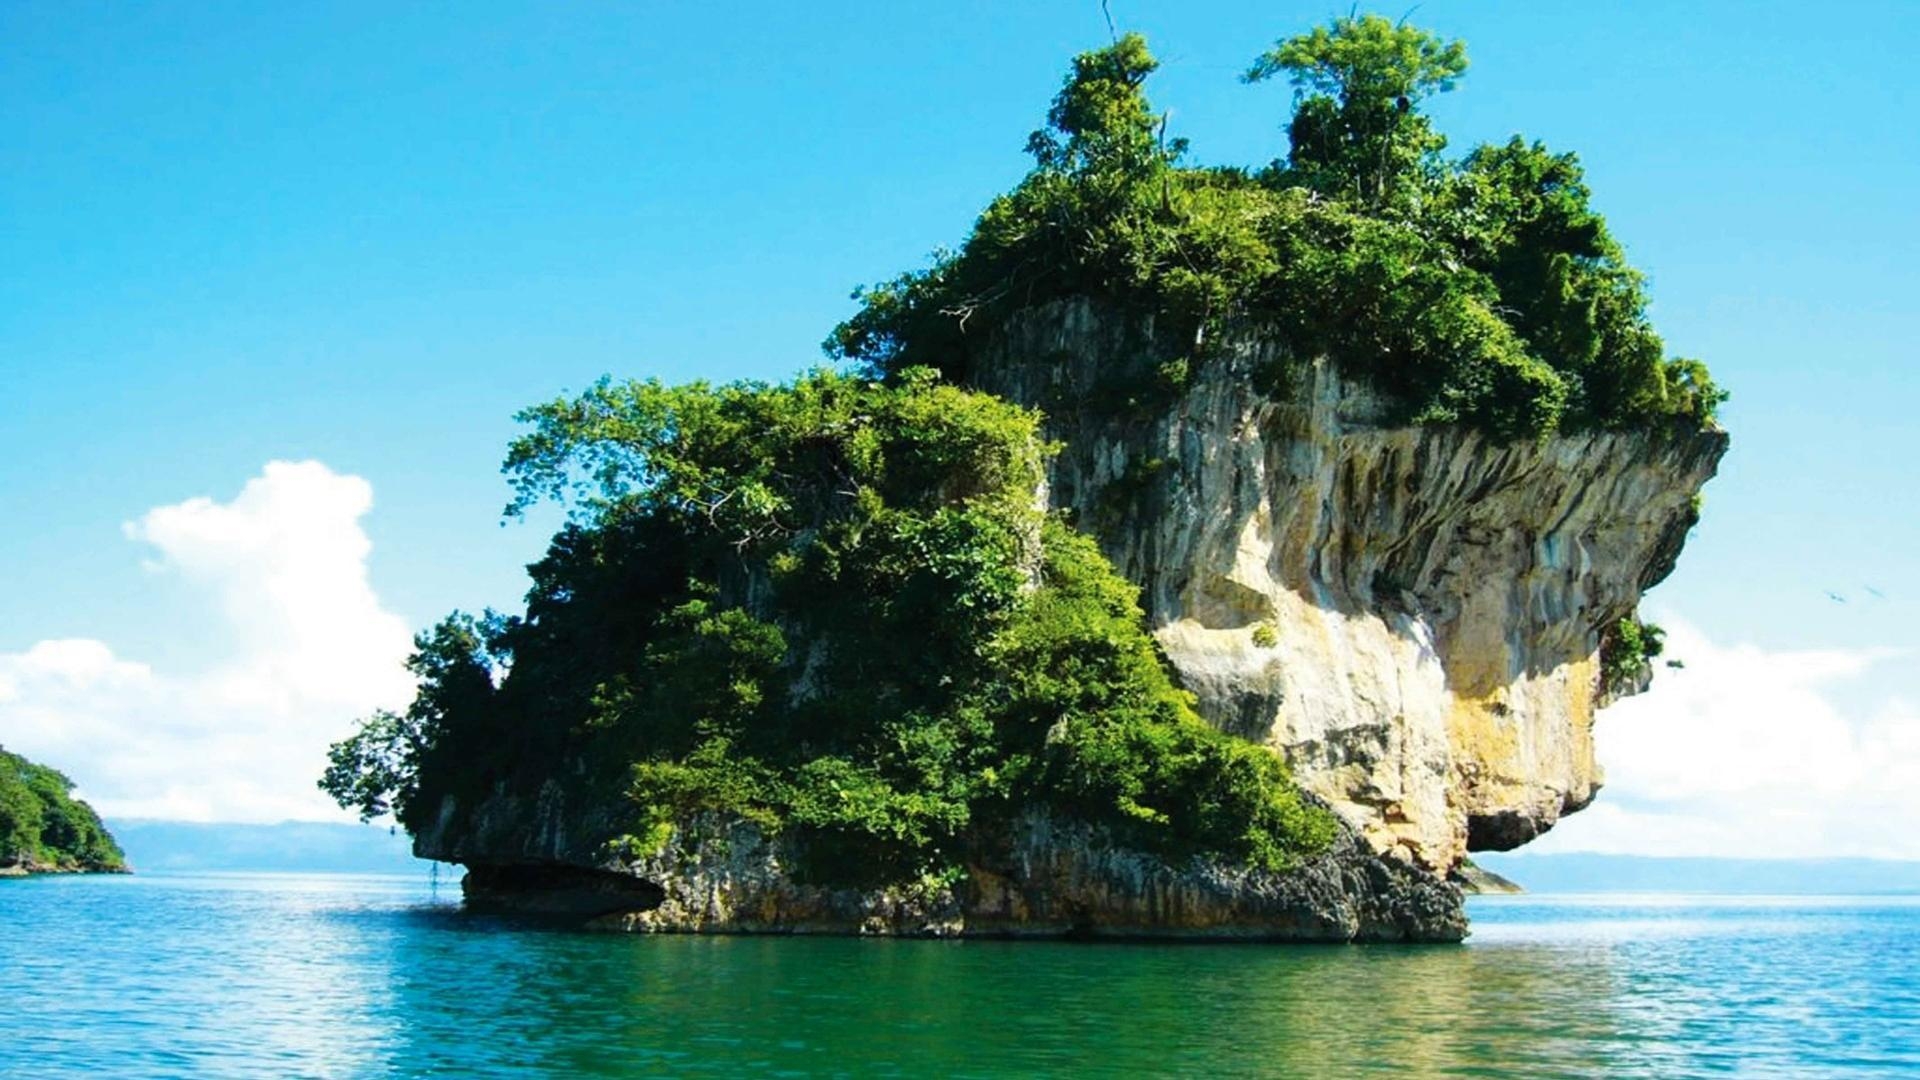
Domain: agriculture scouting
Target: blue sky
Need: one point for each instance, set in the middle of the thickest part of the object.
(364, 234)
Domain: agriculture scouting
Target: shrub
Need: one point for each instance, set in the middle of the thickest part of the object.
(1628, 649)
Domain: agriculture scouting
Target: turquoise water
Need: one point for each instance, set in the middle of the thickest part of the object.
(309, 975)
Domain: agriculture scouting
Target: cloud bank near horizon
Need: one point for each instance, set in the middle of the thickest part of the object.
(285, 566)
(1754, 753)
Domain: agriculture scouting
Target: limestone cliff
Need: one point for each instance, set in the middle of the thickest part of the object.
(547, 855)
(1051, 879)
(1412, 615)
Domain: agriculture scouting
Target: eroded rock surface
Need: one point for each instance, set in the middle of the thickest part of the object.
(1411, 614)
(1054, 880)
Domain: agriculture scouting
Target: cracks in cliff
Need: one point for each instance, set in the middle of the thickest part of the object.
(1412, 572)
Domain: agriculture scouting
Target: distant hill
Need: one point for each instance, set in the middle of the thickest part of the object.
(290, 846)
(1583, 873)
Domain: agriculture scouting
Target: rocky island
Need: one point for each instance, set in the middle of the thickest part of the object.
(44, 830)
(1195, 552)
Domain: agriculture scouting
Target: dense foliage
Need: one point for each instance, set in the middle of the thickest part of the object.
(831, 608)
(1483, 291)
(42, 825)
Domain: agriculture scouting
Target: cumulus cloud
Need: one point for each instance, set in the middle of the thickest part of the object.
(245, 738)
(1756, 753)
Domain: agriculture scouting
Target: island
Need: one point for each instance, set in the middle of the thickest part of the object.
(44, 829)
(1196, 551)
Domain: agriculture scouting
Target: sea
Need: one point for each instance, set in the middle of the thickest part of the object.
(323, 975)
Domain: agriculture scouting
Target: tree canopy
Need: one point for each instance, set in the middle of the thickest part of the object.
(1357, 131)
(1483, 291)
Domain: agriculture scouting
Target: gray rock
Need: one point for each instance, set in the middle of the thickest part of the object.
(1054, 880)
(1411, 615)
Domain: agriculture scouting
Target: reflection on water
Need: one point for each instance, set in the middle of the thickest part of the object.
(365, 976)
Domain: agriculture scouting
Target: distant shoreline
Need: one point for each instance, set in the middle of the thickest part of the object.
(26, 870)
(1585, 874)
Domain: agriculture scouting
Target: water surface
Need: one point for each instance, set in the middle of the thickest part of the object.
(328, 975)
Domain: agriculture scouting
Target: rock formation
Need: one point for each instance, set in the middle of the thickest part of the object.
(1411, 614)
(1052, 880)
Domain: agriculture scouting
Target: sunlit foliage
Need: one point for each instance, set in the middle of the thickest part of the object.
(1483, 291)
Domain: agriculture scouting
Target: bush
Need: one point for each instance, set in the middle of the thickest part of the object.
(1628, 649)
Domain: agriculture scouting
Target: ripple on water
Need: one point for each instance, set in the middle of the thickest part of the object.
(317, 975)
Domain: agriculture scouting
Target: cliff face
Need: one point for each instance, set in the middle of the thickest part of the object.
(1051, 879)
(1411, 614)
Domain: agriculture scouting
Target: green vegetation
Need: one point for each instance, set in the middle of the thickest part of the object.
(1628, 648)
(830, 608)
(1481, 291)
(43, 827)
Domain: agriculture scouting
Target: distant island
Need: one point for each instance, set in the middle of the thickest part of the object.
(1592, 873)
(1195, 552)
(44, 830)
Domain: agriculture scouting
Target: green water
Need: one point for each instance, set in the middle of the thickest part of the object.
(313, 975)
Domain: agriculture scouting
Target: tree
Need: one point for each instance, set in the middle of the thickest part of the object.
(1356, 131)
(376, 769)
(1101, 121)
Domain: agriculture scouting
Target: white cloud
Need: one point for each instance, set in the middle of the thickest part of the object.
(1754, 753)
(245, 739)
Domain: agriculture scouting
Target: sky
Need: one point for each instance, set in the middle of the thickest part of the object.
(275, 278)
